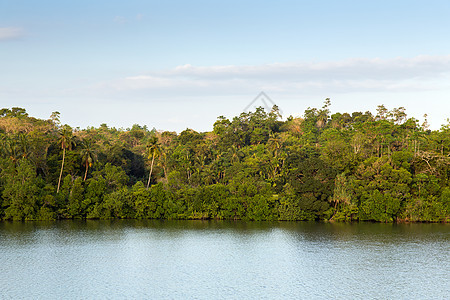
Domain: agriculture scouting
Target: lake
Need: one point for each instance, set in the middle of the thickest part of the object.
(223, 260)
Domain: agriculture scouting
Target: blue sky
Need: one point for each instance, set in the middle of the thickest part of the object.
(178, 64)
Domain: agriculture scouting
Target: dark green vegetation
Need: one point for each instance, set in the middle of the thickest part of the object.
(357, 166)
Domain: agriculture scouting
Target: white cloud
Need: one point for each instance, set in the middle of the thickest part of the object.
(171, 99)
(9, 33)
(353, 75)
(120, 19)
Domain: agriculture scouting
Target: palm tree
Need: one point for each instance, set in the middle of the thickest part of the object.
(153, 150)
(65, 140)
(9, 147)
(15, 146)
(23, 145)
(163, 162)
(235, 154)
(88, 155)
(275, 144)
(323, 114)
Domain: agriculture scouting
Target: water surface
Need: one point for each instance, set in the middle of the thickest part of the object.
(225, 260)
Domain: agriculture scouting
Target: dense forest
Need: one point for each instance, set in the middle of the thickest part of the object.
(322, 166)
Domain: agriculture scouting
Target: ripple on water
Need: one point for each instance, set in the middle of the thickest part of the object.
(203, 260)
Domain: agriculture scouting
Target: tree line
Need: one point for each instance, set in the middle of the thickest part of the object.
(322, 166)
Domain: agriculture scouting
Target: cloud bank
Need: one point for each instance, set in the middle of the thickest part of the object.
(352, 75)
(9, 33)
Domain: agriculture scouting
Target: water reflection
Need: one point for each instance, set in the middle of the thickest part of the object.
(22, 233)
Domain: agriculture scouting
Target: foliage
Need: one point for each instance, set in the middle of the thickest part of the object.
(340, 167)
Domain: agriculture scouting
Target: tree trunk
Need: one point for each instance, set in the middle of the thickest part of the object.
(151, 169)
(62, 167)
(85, 173)
(334, 212)
(165, 171)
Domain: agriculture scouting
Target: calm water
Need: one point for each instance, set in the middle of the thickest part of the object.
(225, 260)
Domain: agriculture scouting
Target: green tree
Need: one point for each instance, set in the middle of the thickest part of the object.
(312, 180)
(21, 190)
(382, 190)
(153, 151)
(66, 140)
(75, 200)
(88, 155)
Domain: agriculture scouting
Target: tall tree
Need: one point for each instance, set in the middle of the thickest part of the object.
(153, 151)
(65, 140)
(88, 155)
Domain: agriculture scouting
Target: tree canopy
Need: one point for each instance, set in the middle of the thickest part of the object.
(322, 166)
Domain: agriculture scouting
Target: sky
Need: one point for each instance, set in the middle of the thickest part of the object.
(173, 65)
